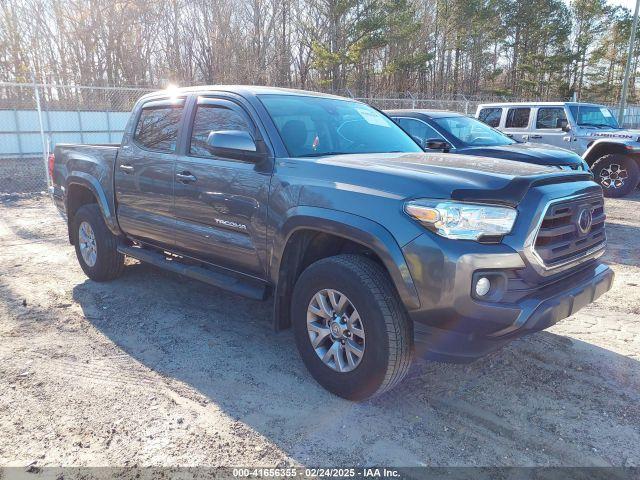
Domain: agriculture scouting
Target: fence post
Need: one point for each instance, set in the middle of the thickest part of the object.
(466, 105)
(109, 125)
(41, 125)
(16, 119)
(413, 100)
(80, 124)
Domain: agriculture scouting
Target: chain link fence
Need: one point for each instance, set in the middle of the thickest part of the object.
(35, 117)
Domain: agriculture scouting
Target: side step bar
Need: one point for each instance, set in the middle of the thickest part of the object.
(247, 288)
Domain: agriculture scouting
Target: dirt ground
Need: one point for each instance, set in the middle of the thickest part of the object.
(155, 369)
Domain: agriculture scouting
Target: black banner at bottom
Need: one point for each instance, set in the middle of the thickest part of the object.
(34, 472)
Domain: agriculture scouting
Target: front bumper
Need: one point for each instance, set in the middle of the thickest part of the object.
(538, 311)
(452, 325)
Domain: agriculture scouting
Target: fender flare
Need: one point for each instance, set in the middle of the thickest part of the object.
(602, 143)
(352, 227)
(93, 185)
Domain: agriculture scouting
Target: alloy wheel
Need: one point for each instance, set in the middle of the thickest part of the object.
(613, 176)
(88, 247)
(335, 330)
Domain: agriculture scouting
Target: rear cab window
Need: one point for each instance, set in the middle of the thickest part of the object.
(518, 117)
(491, 116)
(158, 125)
(548, 118)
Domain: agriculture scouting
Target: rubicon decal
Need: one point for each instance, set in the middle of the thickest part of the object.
(612, 135)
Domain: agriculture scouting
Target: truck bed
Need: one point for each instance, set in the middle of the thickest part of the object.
(85, 164)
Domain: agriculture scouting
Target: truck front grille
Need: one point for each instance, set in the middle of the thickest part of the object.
(570, 230)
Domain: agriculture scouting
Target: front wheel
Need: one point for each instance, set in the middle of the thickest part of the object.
(96, 246)
(617, 174)
(351, 329)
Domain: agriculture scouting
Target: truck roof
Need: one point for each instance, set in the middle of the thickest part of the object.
(242, 90)
(536, 104)
(421, 111)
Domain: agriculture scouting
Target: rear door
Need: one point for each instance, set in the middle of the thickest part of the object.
(221, 203)
(144, 173)
(517, 123)
(545, 127)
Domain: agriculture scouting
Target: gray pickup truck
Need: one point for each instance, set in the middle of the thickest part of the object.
(372, 250)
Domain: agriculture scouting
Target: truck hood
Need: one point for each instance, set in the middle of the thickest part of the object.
(450, 164)
(528, 152)
(437, 175)
(355, 182)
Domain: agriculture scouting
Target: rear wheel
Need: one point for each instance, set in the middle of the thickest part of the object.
(617, 174)
(350, 327)
(96, 246)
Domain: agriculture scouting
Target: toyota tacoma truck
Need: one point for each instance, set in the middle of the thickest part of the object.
(590, 130)
(372, 250)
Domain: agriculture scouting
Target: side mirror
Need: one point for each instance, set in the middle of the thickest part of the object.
(563, 124)
(437, 144)
(233, 144)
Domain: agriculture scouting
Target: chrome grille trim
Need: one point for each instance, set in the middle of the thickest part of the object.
(566, 237)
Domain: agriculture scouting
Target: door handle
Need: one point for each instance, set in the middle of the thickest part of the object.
(535, 136)
(126, 168)
(525, 138)
(186, 177)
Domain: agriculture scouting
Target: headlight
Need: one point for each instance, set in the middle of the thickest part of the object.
(462, 221)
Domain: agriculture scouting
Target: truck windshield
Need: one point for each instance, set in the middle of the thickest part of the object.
(316, 126)
(472, 132)
(593, 116)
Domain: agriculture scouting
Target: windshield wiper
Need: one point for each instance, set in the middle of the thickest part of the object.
(322, 154)
(598, 125)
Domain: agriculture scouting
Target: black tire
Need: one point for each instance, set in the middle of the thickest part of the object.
(389, 333)
(605, 172)
(109, 262)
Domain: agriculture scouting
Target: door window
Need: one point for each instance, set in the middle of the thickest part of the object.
(418, 128)
(214, 118)
(157, 127)
(517, 118)
(490, 116)
(548, 118)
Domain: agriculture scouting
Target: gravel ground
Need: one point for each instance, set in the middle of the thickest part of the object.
(155, 369)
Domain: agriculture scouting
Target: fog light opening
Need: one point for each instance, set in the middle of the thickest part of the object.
(483, 286)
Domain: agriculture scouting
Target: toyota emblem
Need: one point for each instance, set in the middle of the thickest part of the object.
(585, 220)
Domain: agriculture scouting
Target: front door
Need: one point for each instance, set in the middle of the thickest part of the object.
(144, 174)
(221, 203)
(545, 128)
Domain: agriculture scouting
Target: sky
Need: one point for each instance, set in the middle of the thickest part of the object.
(630, 4)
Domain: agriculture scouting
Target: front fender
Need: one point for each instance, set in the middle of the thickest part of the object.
(91, 183)
(352, 227)
(604, 146)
